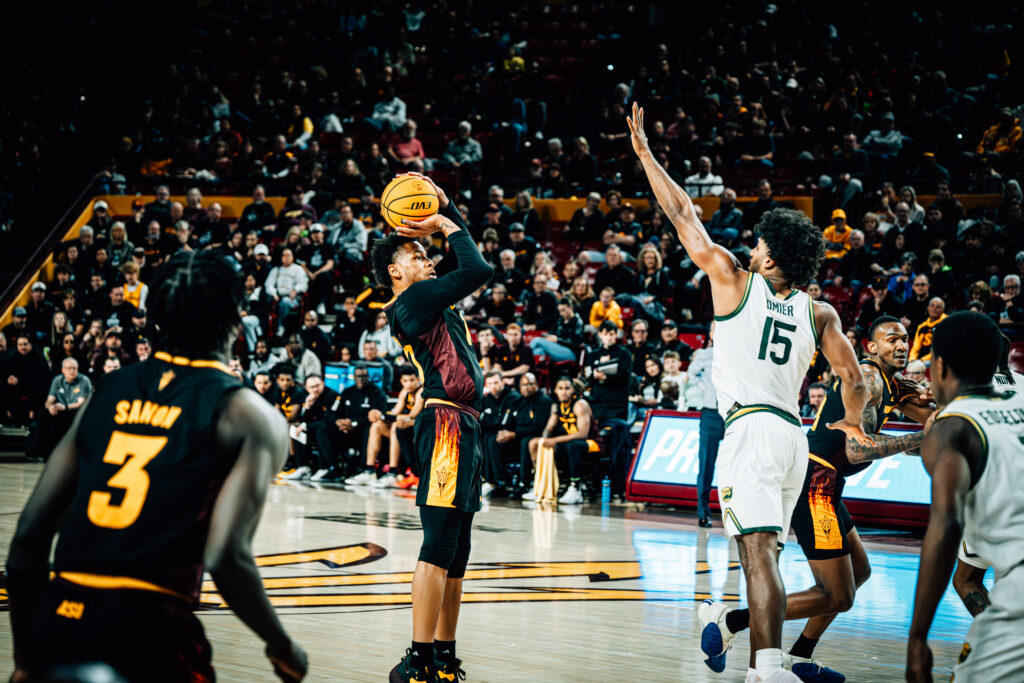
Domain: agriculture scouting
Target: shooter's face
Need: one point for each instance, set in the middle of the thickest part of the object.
(412, 264)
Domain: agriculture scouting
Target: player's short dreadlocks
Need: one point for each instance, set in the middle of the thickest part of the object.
(794, 243)
(195, 302)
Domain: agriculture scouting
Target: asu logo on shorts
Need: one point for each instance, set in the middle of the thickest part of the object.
(966, 650)
(726, 494)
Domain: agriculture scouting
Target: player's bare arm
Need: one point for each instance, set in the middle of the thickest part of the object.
(841, 356)
(583, 416)
(258, 433)
(968, 584)
(727, 278)
(28, 561)
(947, 453)
(884, 445)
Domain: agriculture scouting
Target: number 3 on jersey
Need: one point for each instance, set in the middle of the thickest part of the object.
(133, 453)
(773, 335)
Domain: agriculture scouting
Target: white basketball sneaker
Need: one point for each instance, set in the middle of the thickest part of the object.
(572, 496)
(299, 473)
(715, 636)
(529, 495)
(364, 478)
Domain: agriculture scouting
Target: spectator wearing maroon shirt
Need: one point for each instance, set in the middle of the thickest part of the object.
(193, 211)
(405, 149)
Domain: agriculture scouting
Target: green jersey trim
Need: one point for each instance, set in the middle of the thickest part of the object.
(743, 301)
(752, 530)
(792, 292)
(761, 408)
(814, 327)
(974, 423)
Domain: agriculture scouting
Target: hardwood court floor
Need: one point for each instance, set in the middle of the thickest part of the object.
(566, 595)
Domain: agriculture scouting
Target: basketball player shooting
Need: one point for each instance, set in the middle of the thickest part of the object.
(163, 474)
(448, 447)
(767, 332)
(974, 456)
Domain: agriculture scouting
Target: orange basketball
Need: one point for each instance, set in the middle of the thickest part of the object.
(408, 196)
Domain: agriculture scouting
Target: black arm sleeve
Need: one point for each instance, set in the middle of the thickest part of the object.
(424, 301)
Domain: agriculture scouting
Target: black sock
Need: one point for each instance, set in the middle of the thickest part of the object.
(737, 620)
(422, 655)
(803, 647)
(370, 468)
(444, 651)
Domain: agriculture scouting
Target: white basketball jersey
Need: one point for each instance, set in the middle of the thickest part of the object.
(763, 349)
(1001, 383)
(994, 509)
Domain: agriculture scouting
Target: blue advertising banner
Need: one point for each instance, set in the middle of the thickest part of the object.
(668, 455)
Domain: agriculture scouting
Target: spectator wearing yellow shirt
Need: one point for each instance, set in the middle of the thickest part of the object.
(1003, 138)
(605, 308)
(837, 236)
(922, 348)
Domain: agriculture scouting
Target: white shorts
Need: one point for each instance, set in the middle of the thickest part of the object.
(762, 463)
(994, 644)
(967, 555)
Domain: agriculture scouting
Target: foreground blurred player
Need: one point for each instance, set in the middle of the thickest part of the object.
(164, 472)
(969, 576)
(975, 456)
(821, 521)
(447, 432)
(766, 334)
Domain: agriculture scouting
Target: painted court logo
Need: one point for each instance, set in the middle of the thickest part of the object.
(485, 582)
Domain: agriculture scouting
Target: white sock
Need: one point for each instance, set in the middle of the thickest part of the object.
(768, 660)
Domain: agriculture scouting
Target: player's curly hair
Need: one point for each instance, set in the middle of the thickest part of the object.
(195, 302)
(796, 245)
(382, 255)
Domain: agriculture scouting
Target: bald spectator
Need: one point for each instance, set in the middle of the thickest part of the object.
(211, 231)
(259, 215)
(1011, 317)
(159, 209)
(464, 153)
(922, 347)
(68, 392)
(704, 183)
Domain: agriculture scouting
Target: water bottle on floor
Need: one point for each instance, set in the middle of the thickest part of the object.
(606, 491)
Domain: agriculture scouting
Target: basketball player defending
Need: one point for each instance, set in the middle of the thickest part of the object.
(162, 475)
(767, 332)
(975, 456)
(447, 432)
(821, 521)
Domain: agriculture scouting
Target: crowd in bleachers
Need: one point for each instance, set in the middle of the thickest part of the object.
(866, 118)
